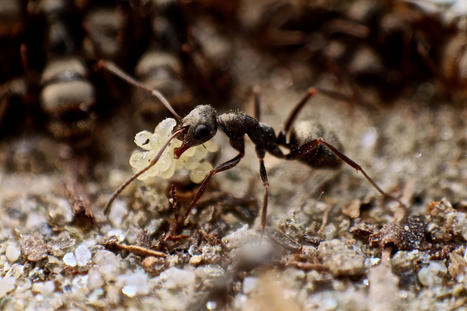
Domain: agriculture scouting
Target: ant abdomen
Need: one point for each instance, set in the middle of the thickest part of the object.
(160, 70)
(67, 97)
(320, 156)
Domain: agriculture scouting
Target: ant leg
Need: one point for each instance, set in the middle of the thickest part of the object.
(151, 164)
(316, 142)
(239, 145)
(264, 177)
(294, 113)
(422, 51)
(174, 206)
(257, 99)
(281, 139)
(282, 135)
(173, 203)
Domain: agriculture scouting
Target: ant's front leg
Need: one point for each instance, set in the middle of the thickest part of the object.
(239, 145)
(264, 177)
(174, 224)
(311, 145)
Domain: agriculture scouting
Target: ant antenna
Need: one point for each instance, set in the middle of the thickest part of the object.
(153, 162)
(109, 66)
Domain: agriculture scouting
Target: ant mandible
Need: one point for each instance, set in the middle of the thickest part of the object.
(306, 141)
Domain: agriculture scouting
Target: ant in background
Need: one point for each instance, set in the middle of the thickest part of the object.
(306, 141)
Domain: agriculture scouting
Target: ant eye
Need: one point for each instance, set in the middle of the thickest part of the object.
(201, 131)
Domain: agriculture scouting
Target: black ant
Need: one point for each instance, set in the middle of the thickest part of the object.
(306, 141)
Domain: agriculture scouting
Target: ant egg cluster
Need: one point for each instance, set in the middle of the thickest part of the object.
(192, 160)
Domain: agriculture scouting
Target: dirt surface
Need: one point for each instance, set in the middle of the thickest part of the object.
(332, 241)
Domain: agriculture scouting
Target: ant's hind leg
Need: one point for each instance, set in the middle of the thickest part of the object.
(257, 100)
(282, 136)
(298, 107)
(309, 146)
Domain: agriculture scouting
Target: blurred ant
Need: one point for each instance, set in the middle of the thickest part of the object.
(307, 141)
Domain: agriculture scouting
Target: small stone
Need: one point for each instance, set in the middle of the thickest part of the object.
(352, 209)
(44, 288)
(177, 278)
(95, 280)
(457, 265)
(83, 255)
(432, 274)
(341, 259)
(369, 138)
(255, 253)
(12, 253)
(238, 237)
(107, 263)
(69, 259)
(61, 244)
(211, 305)
(406, 236)
(135, 284)
(117, 212)
(7, 284)
(95, 298)
(383, 288)
(196, 260)
(129, 290)
(154, 265)
(249, 284)
(80, 285)
(34, 247)
(119, 234)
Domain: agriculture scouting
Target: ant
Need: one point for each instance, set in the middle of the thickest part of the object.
(306, 141)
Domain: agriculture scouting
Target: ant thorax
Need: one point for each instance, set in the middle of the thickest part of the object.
(192, 160)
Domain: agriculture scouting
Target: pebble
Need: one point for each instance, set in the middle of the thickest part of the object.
(12, 253)
(95, 298)
(196, 260)
(249, 284)
(119, 234)
(369, 138)
(117, 212)
(107, 263)
(340, 258)
(177, 278)
(432, 274)
(34, 247)
(44, 288)
(95, 279)
(238, 237)
(70, 259)
(154, 265)
(7, 284)
(83, 255)
(254, 253)
(135, 284)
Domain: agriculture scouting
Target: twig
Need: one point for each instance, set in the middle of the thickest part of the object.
(137, 250)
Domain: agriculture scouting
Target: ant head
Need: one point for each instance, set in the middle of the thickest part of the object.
(200, 125)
